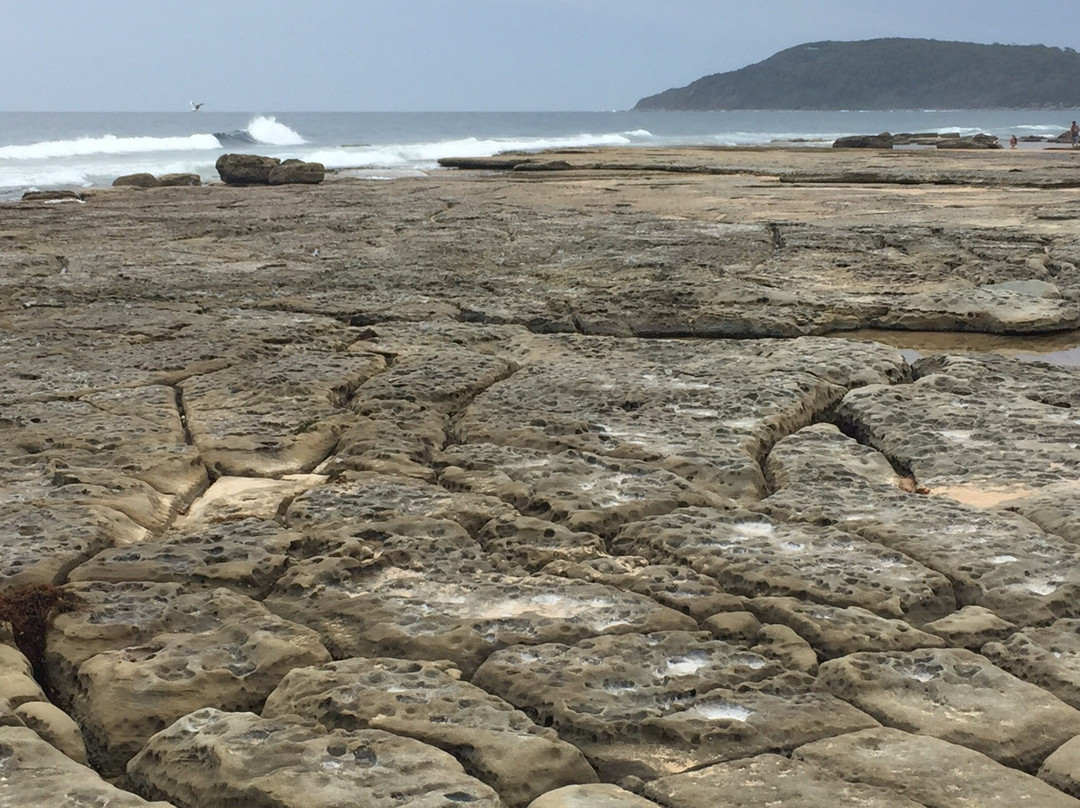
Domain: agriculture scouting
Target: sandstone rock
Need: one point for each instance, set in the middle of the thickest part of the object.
(334, 513)
(215, 649)
(674, 586)
(880, 141)
(600, 795)
(1055, 508)
(533, 543)
(993, 559)
(837, 631)
(17, 688)
(214, 759)
(296, 171)
(52, 196)
(231, 499)
(182, 179)
(277, 417)
(55, 726)
(751, 555)
(929, 771)
(971, 627)
(136, 180)
(1062, 769)
(993, 308)
(495, 743)
(687, 411)
(35, 773)
(1047, 656)
(957, 696)
(364, 610)
(646, 705)
(770, 780)
(245, 169)
(584, 492)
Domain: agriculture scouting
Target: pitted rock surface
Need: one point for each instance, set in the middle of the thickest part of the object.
(642, 705)
(994, 559)
(770, 780)
(494, 742)
(34, 773)
(371, 610)
(930, 771)
(216, 647)
(215, 759)
(488, 382)
(681, 588)
(280, 416)
(584, 492)
(704, 412)
(1048, 656)
(971, 426)
(957, 696)
(836, 631)
(752, 555)
(533, 543)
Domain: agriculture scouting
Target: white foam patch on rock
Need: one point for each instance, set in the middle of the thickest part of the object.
(721, 710)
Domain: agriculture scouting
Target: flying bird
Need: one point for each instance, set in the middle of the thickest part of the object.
(196, 107)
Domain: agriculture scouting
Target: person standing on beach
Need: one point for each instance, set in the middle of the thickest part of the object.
(1074, 132)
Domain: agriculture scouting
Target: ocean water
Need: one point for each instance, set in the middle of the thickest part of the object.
(82, 149)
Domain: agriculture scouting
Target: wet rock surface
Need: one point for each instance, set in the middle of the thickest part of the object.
(568, 469)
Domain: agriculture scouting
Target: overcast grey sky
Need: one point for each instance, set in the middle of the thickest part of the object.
(279, 55)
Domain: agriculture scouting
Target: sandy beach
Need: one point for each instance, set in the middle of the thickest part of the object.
(597, 477)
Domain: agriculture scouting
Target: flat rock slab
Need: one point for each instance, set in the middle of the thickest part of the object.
(702, 411)
(215, 649)
(678, 587)
(533, 543)
(583, 491)
(648, 705)
(770, 780)
(993, 308)
(234, 498)
(1055, 508)
(751, 555)
(836, 631)
(974, 426)
(929, 771)
(43, 543)
(277, 416)
(32, 773)
(497, 744)
(386, 611)
(957, 696)
(337, 511)
(1048, 657)
(214, 759)
(994, 559)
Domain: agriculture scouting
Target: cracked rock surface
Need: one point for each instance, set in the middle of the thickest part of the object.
(619, 480)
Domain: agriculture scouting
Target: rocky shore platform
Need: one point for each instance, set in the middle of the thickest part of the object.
(560, 480)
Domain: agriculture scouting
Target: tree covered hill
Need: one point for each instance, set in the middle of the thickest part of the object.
(890, 74)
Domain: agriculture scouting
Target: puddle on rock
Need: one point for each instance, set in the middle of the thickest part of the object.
(1057, 349)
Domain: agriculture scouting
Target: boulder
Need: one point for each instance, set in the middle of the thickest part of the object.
(178, 179)
(297, 171)
(141, 180)
(245, 169)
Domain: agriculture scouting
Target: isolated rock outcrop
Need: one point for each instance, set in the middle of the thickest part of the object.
(245, 169)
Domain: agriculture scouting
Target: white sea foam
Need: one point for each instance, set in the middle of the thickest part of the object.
(268, 130)
(428, 154)
(107, 144)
